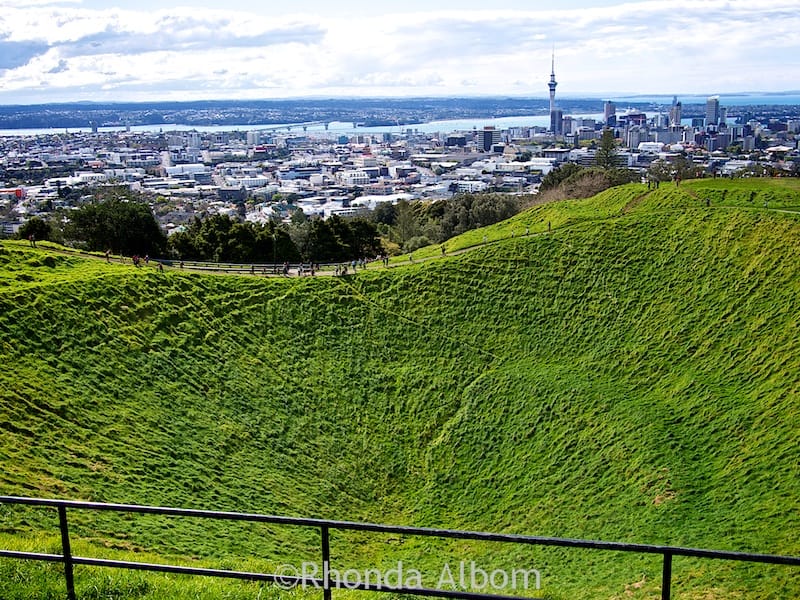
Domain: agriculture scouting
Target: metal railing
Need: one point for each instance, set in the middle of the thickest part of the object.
(326, 583)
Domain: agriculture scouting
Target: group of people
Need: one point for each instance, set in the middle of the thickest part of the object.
(302, 269)
(137, 260)
(354, 265)
(652, 184)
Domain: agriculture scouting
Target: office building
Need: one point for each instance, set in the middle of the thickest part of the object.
(675, 114)
(712, 111)
(557, 122)
(486, 138)
(609, 113)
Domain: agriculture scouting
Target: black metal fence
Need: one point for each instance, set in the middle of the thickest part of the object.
(327, 583)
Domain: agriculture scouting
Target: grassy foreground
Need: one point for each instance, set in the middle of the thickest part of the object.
(631, 375)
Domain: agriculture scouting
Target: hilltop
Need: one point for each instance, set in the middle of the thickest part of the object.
(628, 370)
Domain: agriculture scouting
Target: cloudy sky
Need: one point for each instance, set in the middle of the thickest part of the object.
(74, 50)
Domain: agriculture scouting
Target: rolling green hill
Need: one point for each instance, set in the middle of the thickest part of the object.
(631, 375)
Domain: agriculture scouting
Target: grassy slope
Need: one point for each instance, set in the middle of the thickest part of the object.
(631, 376)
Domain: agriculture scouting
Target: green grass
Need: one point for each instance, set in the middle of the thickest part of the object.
(631, 375)
(782, 194)
(19, 579)
(538, 220)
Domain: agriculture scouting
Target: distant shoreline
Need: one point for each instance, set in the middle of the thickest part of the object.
(393, 114)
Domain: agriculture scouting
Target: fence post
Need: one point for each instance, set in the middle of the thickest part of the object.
(326, 563)
(666, 576)
(66, 552)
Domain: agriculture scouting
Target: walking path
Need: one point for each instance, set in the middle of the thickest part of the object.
(330, 269)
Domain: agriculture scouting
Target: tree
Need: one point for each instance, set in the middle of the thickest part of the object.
(285, 248)
(524, 156)
(607, 151)
(365, 239)
(220, 238)
(36, 227)
(620, 176)
(554, 178)
(384, 212)
(683, 168)
(415, 243)
(659, 170)
(299, 234)
(585, 183)
(406, 225)
(323, 243)
(124, 227)
(206, 239)
(298, 216)
(756, 170)
(241, 244)
(680, 168)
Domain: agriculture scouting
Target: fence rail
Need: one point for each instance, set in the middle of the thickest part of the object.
(326, 583)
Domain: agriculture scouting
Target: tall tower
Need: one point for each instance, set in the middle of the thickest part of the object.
(555, 122)
(712, 111)
(675, 114)
(609, 113)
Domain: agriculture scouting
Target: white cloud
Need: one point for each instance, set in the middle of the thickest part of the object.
(660, 46)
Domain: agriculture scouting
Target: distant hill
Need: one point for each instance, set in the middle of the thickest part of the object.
(624, 367)
(261, 112)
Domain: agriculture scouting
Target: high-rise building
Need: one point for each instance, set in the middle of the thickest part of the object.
(609, 113)
(193, 139)
(675, 114)
(712, 111)
(486, 138)
(555, 123)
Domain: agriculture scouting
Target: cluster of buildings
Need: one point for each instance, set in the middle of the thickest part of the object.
(664, 131)
(251, 174)
(263, 175)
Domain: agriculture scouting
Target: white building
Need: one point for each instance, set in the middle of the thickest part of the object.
(247, 182)
(365, 160)
(189, 169)
(730, 167)
(87, 177)
(650, 147)
(468, 187)
(352, 178)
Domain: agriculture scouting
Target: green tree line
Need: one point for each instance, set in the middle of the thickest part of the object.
(122, 222)
(222, 239)
(412, 225)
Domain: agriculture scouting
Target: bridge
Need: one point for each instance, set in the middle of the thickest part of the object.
(304, 125)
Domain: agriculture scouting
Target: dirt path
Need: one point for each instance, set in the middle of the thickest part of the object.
(327, 270)
(635, 202)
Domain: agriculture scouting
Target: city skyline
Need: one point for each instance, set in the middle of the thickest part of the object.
(64, 51)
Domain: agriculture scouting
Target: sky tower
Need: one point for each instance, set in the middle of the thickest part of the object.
(553, 83)
(555, 117)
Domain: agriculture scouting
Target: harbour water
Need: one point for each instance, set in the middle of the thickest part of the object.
(337, 128)
(334, 128)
